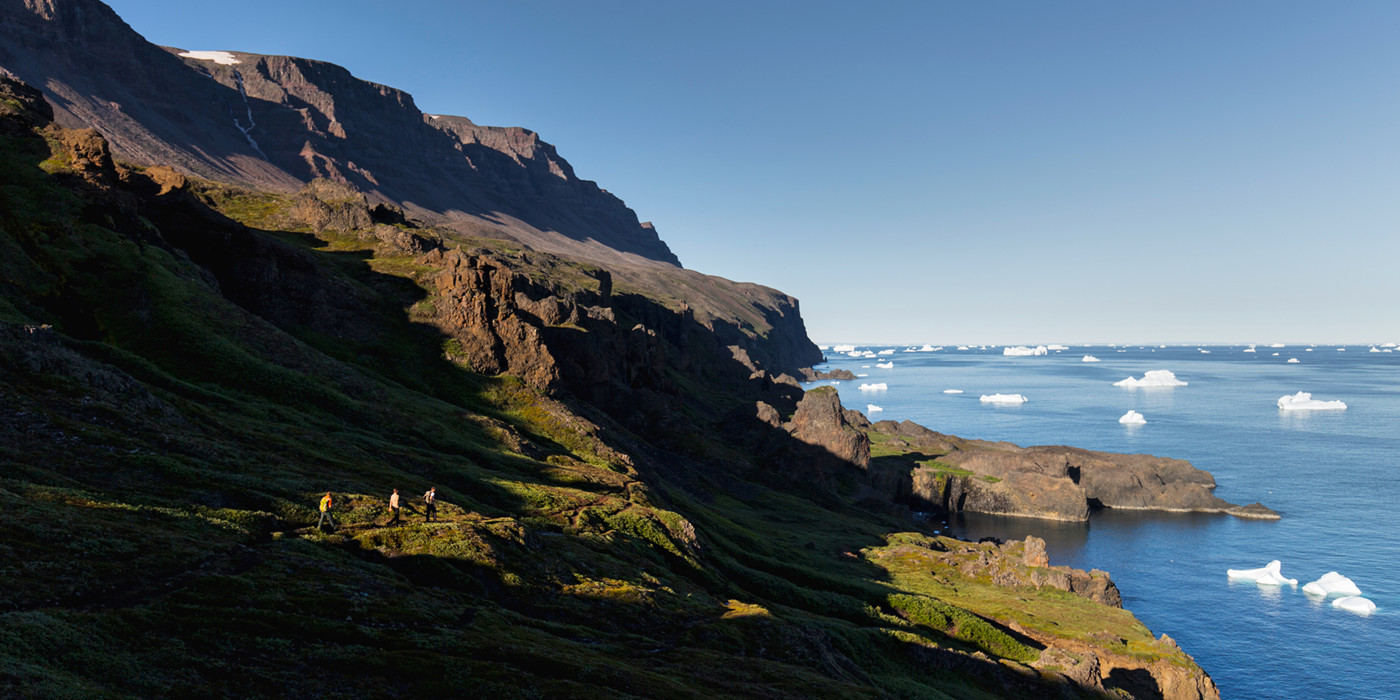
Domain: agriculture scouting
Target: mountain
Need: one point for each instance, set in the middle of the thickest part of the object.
(635, 499)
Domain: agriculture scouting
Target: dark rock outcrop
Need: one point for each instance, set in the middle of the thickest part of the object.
(1052, 482)
(821, 422)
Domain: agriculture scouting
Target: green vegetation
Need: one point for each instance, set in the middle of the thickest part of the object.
(166, 443)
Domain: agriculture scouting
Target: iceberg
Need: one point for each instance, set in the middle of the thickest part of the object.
(1250, 349)
(1332, 583)
(1270, 575)
(1023, 351)
(885, 365)
(874, 387)
(1132, 418)
(1089, 358)
(843, 348)
(856, 353)
(885, 352)
(1303, 401)
(952, 391)
(1278, 345)
(1054, 346)
(1356, 604)
(962, 347)
(929, 348)
(1374, 349)
(1156, 377)
(1341, 349)
(871, 408)
(1292, 361)
(1004, 398)
(823, 348)
(1204, 352)
(861, 376)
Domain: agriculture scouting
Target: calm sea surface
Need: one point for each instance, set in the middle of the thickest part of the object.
(1333, 475)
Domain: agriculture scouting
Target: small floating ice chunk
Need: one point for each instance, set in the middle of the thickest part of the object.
(1332, 583)
(1269, 575)
(1054, 346)
(1089, 358)
(885, 365)
(1277, 345)
(222, 58)
(1204, 352)
(859, 376)
(1356, 604)
(1303, 401)
(1132, 418)
(843, 348)
(929, 348)
(1250, 349)
(1004, 398)
(1374, 349)
(952, 391)
(885, 352)
(1156, 377)
(962, 347)
(1292, 361)
(871, 408)
(874, 387)
(1023, 351)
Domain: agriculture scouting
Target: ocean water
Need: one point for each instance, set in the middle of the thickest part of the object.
(1334, 476)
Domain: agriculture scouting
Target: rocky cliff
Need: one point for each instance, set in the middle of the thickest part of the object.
(277, 122)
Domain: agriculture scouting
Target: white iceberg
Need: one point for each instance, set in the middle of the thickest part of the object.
(823, 348)
(1303, 401)
(1023, 351)
(1089, 358)
(1004, 398)
(962, 347)
(222, 58)
(861, 376)
(929, 348)
(1156, 377)
(952, 391)
(874, 387)
(1054, 346)
(885, 352)
(1374, 349)
(1292, 361)
(1356, 604)
(867, 353)
(1132, 418)
(1250, 349)
(1390, 345)
(871, 408)
(856, 353)
(1278, 345)
(885, 365)
(1204, 352)
(1341, 349)
(1332, 583)
(1269, 575)
(843, 348)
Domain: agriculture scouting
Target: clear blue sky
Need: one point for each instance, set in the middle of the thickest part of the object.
(991, 172)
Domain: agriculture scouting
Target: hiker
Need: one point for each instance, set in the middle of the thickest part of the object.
(430, 499)
(326, 511)
(394, 508)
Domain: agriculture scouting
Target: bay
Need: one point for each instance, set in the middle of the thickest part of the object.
(1334, 476)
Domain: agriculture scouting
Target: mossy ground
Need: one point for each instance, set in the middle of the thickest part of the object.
(163, 451)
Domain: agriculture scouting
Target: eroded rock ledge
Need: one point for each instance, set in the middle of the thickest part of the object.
(908, 463)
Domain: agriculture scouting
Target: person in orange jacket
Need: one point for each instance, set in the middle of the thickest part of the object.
(326, 511)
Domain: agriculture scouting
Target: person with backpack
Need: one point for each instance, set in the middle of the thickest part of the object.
(430, 503)
(326, 505)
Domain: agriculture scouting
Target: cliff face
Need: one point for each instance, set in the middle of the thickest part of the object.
(276, 123)
(188, 367)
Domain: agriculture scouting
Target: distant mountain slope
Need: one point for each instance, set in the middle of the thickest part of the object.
(276, 122)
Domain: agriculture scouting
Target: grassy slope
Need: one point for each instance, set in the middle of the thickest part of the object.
(162, 451)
